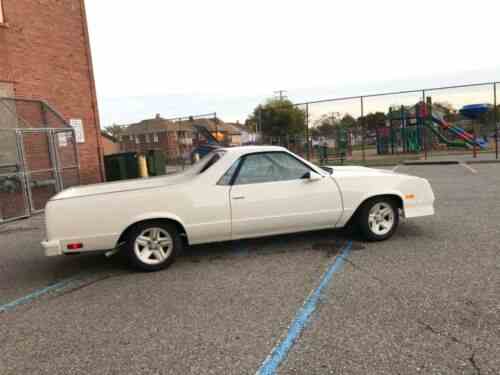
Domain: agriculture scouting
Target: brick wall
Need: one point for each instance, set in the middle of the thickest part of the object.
(44, 53)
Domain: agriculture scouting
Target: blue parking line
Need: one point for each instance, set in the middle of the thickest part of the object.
(36, 294)
(280, 351)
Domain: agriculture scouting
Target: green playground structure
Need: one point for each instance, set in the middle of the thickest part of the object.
(408, 128)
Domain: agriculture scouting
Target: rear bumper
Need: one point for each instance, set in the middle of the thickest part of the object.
(52, 248)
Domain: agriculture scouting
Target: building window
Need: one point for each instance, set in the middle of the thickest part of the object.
(155, 138)
(148, 138)
(2, 18)
(137, 140)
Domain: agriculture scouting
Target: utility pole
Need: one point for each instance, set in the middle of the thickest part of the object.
(281, 94)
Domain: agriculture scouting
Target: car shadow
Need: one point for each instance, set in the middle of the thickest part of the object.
(329, 241)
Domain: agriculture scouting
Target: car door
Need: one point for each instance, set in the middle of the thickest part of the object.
(271, 193)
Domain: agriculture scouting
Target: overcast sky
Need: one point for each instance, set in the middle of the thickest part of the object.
(181, 57)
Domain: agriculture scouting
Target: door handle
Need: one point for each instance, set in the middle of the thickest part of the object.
(238, 198)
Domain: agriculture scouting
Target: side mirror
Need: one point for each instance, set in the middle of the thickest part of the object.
(313, 176)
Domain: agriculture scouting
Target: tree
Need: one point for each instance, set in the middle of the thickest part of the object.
(326, 125)
(114, 130)
(348, 121)
(279, 118)
(373, 121)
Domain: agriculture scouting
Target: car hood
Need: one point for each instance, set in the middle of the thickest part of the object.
(122, 186)
(358, 171)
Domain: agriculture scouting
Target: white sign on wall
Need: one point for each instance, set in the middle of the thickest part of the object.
(77, 124)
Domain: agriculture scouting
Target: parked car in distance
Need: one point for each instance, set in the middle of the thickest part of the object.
(232, 193)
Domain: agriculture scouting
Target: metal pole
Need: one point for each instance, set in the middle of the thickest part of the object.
(391, 130)
(258, 130)
(424, 123)
(427, 122)
(307, 133)
(363, 129)
(495, 118)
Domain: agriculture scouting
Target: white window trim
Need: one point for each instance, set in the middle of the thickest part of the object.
(156, 138)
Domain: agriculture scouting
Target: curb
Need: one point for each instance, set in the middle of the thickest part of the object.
(448, 162)
(483, 162)
(430, 162)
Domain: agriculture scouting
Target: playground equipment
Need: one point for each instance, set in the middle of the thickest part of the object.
(407, 129)
(206, 146)
(342, 149)
(403, 133)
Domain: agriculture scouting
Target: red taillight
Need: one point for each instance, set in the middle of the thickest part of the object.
(75, 246)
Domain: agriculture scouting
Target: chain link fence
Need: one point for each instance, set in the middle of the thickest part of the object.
(389, 127)
(38, 157)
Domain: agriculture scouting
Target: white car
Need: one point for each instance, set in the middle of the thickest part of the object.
(232, 193)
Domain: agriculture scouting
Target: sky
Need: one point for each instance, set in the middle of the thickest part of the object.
(185, 57)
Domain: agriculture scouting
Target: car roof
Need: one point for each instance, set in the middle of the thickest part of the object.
(243, 150)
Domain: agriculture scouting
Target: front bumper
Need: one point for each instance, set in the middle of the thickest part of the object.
(52, 248)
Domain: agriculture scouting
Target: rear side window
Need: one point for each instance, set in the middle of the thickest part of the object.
(214, 159)
(228, 176)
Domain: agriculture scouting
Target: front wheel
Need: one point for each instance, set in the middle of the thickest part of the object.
(152, 246)
(378, 219)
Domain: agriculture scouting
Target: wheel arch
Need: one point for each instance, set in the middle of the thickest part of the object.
(396, 197)
(157, 218)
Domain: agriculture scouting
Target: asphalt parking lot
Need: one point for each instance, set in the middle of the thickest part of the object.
(425, 302)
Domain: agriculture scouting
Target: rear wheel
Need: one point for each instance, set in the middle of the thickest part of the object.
(152, 246)
(378, 219)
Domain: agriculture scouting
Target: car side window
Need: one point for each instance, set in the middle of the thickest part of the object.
(289, 167)
(269, 167)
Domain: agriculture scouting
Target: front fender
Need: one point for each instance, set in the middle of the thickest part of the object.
(352, 205)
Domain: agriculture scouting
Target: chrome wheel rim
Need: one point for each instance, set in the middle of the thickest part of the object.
(381, 218)
(153, 246)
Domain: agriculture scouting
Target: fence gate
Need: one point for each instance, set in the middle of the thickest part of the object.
(47, 162)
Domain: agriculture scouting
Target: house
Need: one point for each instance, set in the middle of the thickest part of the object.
(110, 144)
(177, 138)
(246, 135)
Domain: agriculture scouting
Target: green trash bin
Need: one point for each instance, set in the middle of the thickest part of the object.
(156, 163)
(121, 166)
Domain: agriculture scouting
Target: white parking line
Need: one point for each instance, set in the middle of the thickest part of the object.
(466, 166)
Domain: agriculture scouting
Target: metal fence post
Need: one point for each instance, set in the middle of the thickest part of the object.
(495, 118)
(422, 123)
(307, 133)
(427, 122)
(258, 130)
(363, 129)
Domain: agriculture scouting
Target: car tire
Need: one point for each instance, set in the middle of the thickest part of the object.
(153, 245)
(378, 219)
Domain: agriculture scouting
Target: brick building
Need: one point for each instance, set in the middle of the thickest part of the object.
(110, 144)
(176, 139)
(45, 54)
